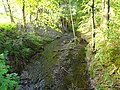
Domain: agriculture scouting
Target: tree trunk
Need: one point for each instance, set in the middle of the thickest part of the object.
(4, 6)
(72, 21)
(106, 12)
(93, 25)
(64, 25)
(24, 17)
(106, 16)
(30, 18)
(10, 11)
(37, 14)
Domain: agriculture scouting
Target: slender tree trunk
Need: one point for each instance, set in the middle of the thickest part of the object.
(10, 11)
(106, 12)
(106, 15)
(72, 20)
(93, 25)
(30, 18)
(4, 6)
(24, 17)
(37, 12)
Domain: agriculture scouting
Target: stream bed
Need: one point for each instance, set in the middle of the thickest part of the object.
(61, 66)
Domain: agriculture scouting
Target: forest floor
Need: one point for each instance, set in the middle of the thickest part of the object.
(60, 66)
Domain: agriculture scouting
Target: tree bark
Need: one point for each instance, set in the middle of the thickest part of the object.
(106, 12)
(30, 18)
(10, 11)
(4, 6)
(24, 17)
(37, 14)
(72, 21)
(106, 16)
(93, 25)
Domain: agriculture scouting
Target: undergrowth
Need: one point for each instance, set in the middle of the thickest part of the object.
(105, 63)
(7, 81)
(19, 44)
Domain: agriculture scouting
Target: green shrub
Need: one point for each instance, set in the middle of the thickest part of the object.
(7, 81)
(19, 43)
(11, 41)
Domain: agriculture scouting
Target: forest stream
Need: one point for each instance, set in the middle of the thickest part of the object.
(59, 44)
(61, 66)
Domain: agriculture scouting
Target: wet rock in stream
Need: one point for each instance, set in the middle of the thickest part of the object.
(61, 66)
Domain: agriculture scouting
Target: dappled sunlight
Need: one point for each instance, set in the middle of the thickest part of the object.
(59, 45)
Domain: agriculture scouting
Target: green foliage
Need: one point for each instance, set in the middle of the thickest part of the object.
(6, 35)
(11, 40)
(104, 67)
(19, 43)
(107, 58)
(7, 81)
(49, 12)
